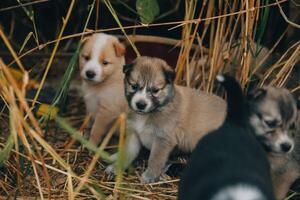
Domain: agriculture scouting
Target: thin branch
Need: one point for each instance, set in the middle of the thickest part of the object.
(286, 18)
(23, 5)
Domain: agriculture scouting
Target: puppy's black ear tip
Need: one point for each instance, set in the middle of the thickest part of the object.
(257, 94)
(127, 68)
(170, 75)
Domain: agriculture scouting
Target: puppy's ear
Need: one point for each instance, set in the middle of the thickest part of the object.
(257, 94)
(127, 68)
(170, 75)
(119, 49)
(84, 40)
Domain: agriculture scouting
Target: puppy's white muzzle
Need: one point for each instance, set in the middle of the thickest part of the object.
(92, 71)
(140, 102)
(284, 144)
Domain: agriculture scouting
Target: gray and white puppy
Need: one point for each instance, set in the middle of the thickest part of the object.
(286, 168)
(275, 114)
(276, 123)
(164, 115)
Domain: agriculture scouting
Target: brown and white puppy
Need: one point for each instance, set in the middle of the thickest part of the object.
(164, 115)
(276, 125)
(101, 61)
(286, 168)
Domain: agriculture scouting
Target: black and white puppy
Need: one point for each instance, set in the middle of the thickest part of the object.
(228, 163)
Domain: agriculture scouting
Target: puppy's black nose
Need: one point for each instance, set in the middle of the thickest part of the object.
(90, 74)
(141, 105)
(285, 147)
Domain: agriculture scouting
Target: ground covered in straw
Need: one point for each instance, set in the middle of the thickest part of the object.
(79, 160)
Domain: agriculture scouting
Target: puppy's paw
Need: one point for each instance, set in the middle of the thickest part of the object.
(110, 171)
(148, 178)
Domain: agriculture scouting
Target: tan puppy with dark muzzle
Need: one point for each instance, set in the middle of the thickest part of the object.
(101, 61)
(164, 115)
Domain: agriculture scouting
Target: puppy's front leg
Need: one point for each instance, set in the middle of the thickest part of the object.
(103, 120)
(283, 181)
(100, 127)
(160, 151)
(132, 149)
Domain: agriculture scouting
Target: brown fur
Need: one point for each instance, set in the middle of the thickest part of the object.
(105, 99)
(182, 122)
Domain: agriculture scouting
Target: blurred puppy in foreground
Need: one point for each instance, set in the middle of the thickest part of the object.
(164, 115)
(228, 163)
(101, 62)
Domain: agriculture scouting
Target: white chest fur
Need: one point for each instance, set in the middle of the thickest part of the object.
(144, 130)
(91, 99)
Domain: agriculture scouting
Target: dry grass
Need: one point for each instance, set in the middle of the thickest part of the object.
(51, 159)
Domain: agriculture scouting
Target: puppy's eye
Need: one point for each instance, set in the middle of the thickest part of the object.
(104, 62)
(86, 57)
(134, 87)
(154, 90)
(271, 123)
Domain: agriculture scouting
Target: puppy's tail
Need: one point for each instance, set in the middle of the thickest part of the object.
(236, 103)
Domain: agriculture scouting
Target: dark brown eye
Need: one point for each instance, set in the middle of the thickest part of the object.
(134, 87)
(271, 123)
(104, 62)
(86, 57)
(154, 90)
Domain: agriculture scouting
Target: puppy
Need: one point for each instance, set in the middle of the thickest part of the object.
(101, 61)
(286, 167)
(275, 123)
(164, 115)
(275, 111)
(228, 163)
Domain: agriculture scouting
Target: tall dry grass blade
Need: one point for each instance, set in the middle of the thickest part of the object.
(114, 14)
(83, 126)
(286, 18)
(179, 23)
(285, 71)
(279, 62)
(11, 50)
(17, 123)
(71, 195)
(76, 135)
(121, 153)
(97, 155)
(19, 95)
(65, 21)
(268, 54)
(30, 15)
(5, 152)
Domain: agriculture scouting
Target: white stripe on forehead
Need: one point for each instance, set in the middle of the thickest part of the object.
(99, 45)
